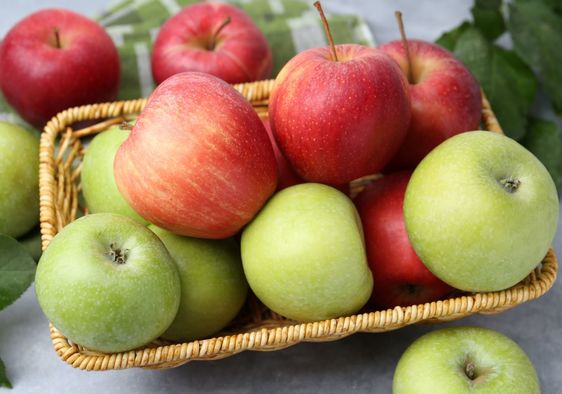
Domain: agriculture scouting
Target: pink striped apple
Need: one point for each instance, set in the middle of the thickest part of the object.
(198, 162)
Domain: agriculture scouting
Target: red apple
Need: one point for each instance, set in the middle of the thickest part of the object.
(445, 99)
(198, 161)
(336, 121)
(287, 176)
(56, 59)
(400, 277)
(215, 38)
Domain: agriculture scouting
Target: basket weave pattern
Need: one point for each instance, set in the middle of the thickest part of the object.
(257, 328)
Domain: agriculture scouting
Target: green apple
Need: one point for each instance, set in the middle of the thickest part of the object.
(459, 360)
(304, 254)
(213, 286)
(19, 180)
(108, 283)
(98, 183)
(481, 211)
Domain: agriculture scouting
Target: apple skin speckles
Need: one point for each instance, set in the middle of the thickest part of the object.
(338, 121)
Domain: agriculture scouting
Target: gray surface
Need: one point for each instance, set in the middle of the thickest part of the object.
(361, 363)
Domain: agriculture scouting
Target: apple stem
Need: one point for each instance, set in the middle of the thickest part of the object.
(57, 37)
(327, 30)
(398, 16)
(213, 40)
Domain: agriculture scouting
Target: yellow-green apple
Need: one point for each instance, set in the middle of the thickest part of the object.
(57, 59)
(214, 38)
(459, 360)
(444, 95)
(97, 179)
(108, 283)
(304, 256)
(286, 175)
(213, 286)
(400, 278)
(481, 211)
(19, 180)
(338, 120)
(198, 162)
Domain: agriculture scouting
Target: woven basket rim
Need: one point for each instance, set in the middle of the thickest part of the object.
(272, 335)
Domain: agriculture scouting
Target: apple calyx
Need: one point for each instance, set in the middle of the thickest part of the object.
(470, 370)
(473, 373)
(213, 41)
(126, 125)
(117, 255)
(327, 30)
(410, 73)
(510, 184)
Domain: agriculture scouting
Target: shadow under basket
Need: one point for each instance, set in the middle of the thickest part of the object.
(256, 327)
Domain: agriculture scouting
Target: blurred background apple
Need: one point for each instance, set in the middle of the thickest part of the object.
(19, 180)
(57, 59)
(216, 38)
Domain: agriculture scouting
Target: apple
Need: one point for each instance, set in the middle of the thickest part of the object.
(465, 360)
(400, 278)
(445, 98)
(481, 211)
(214, 38)
(303, 254)
(213, 286)
(339, 113)
(198, 161)
(19, 180)
(97, 179)
(108, 283)
(336, 121)
(286, 175)
(57, 59)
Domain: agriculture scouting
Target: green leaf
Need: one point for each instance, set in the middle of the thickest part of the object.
(17, 270)
(544, 140)
(508, 82)
(488, 18)
(449, 39)
(4, 382)
(555, 5)
(537, 35)
(32, 242)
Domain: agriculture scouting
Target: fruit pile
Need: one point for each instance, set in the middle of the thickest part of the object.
(199, 199)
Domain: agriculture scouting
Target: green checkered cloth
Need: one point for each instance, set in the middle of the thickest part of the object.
(290, 26)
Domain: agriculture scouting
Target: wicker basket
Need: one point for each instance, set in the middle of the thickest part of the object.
(256, 327)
